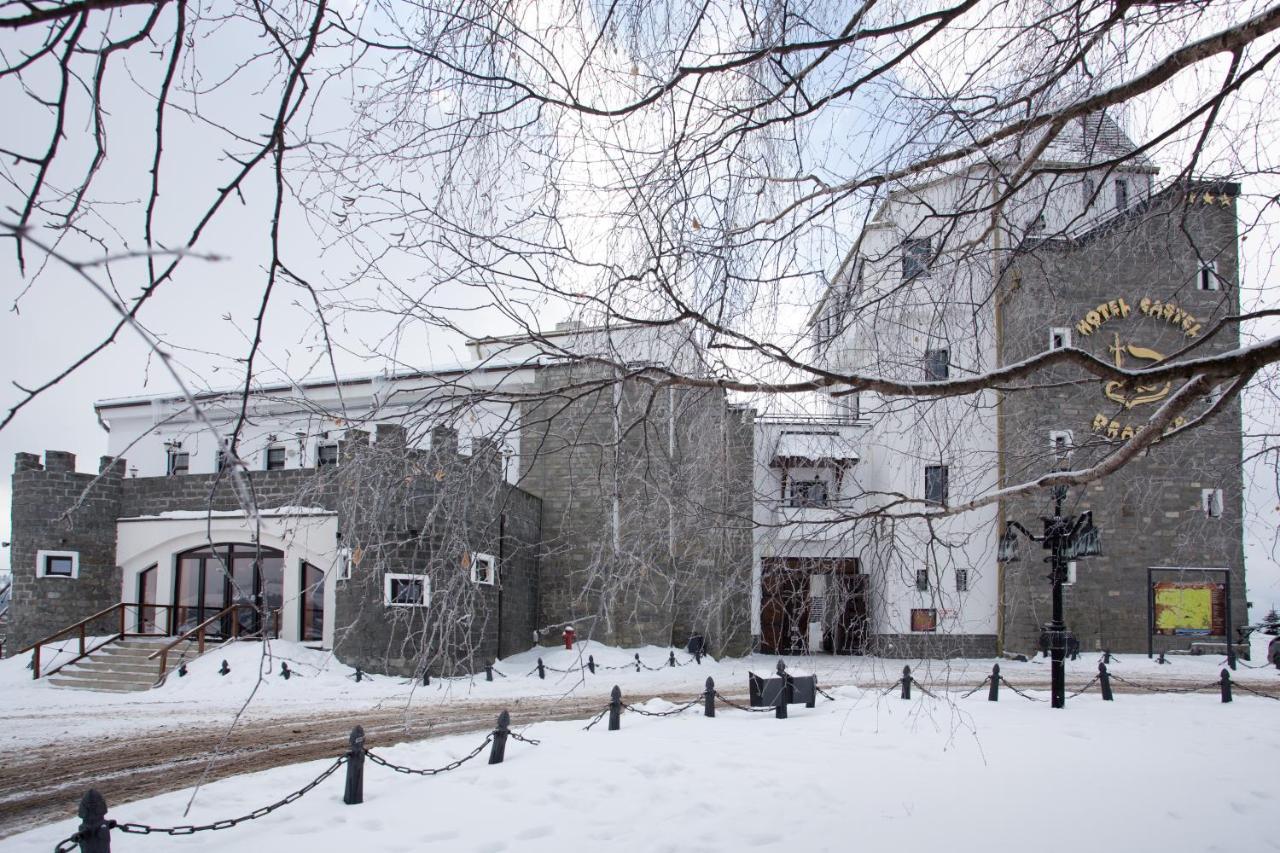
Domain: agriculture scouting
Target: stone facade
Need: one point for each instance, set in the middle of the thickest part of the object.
(1150, 512)
(418, 520)
(647, 505)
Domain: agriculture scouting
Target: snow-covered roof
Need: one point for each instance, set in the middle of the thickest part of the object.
(817, 447)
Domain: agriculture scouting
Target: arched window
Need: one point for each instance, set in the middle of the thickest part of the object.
(210, 578)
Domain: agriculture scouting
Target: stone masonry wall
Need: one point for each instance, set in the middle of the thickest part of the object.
(53, 511)
(1150, 512)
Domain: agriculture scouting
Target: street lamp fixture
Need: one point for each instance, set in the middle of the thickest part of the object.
(1067, 538)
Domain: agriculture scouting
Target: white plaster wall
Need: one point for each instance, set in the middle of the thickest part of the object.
(144, 542)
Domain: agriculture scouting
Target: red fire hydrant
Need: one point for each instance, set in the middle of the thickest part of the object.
(568, 637)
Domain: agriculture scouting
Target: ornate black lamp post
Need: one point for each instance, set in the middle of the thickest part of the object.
(1066, 538)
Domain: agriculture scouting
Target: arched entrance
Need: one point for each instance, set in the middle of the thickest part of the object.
(209, 578)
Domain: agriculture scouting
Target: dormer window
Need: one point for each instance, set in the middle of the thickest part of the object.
(1122, 195)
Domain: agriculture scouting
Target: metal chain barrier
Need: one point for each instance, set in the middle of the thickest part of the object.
(891, 687)
(523, 739)
(1236, 685)
(1092, 682)
(1028, 696)
(144, 829)
(1213, 685)
(732, 704)
(686, 706)
(596, 719)
(453, 765)
(984, 683)
(824, 693)
(925, 690)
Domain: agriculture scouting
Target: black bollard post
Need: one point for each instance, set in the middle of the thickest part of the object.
(542, 670)
(709, 699)
(95, 831)
(671, 661)
(284, 670)
(1106, 655)
(615, 708)
(1226, 686)
(359, 675)
(1161, 658)
(225, 668)
(1104, 679)
(993, 695)
(182, 670)
(906, 682)
(354, 793)
(697, 655)
(488, 672)
(637, 661)
(780, 707)
(426, 677)
(499, 749)
(591, 664)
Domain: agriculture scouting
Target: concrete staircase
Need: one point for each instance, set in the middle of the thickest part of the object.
(123, 666)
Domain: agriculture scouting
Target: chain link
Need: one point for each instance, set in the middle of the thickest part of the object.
(1026, 696)
(824, 693)
(984, 683)
(686, 706)
(733, 704)
(1123, 680)
(190, 829)
(453, 765)
(596, 719)
(1092, 682)
(1248, 689)
(524, 739)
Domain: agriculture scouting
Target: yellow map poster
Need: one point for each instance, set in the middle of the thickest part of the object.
(1188, 608)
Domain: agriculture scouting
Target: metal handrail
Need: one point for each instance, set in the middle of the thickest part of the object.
(81, 626)
(199, 633)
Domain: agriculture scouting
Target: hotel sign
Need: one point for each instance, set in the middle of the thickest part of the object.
(1125, 352)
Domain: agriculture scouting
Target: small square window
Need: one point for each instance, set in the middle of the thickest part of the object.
(1211, 502)
(326, 454)
(177, 463)
(1059, 338)
(922, 580)
(924, 620)
(962, 580)
(935, 484)
(275, 458)
(807, 493)
(57, 564)
(937, 364)
(484, 568)
(406, 590)
(917, 255)
(1208, 277)
(1061, 443)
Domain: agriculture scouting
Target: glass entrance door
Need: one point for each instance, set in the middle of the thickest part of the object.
(211, 578)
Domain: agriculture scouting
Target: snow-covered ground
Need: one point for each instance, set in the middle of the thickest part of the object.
(207, 699)
(865, 772)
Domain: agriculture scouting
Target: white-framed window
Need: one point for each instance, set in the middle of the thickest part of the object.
(58, 564)
(1061, 443)
(400, 590)
(484, 567)
(1211, 502)
(275, 457)
(922, 580)
(345, 561)
(962, 580)
(1059, 337)
(1207, 279)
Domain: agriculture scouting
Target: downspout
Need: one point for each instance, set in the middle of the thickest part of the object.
(998, 319)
